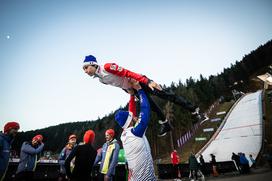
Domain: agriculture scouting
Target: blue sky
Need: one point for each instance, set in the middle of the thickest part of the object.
(43, 43)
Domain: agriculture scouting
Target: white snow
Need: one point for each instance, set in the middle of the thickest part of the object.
(242, 131)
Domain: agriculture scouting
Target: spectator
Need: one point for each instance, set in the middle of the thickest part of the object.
(202, 165)
(64, 154)
(28, 158)
(253, 161)
(6, 138)
(193, 166)
(244, 163)
(236, 160)
(175, 163)
(214, 166)
(135, 143)
(85, 156)
(108, 156)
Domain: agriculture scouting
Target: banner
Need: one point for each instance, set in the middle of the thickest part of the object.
(221, 113)
(208, 130)
(215, 119)
(201, 139)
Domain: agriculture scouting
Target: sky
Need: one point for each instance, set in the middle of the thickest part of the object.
(43, 44)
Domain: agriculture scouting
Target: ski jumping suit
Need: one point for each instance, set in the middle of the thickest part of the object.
(117, 76)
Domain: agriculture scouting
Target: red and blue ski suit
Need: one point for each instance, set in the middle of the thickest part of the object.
(117, 76)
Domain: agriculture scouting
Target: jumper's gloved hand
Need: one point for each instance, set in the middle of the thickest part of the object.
(130, 91)
(134, 85)
(153, 85)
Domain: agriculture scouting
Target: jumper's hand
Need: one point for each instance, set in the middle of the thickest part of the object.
(130, 91)
(134, 84)
(153, 85)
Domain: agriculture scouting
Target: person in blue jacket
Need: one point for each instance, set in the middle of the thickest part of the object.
(108, 156)
(84, 155)
(6, 138)
(136, 146)
(65, 152)
(244, 163)
(28, 158)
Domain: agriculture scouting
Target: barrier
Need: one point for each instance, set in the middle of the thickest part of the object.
(50, 172)
(166, 171)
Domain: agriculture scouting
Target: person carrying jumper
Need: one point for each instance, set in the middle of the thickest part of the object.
(135, 143)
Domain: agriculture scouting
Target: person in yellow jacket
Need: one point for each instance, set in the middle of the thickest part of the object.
(108, 156)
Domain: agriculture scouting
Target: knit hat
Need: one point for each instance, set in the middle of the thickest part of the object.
(90, 60)
(110, 132)
(89, 136)
(72, 136)
(38, 138)
(11, 125)
(123, 118)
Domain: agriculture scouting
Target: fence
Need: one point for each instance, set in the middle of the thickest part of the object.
(50, 172)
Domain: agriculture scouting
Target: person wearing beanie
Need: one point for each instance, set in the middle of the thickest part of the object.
(28, 158)
(6, 139)
(72, 139)
(135, 143)
(65, 152)
(193, 166)
(113, 74)
(175, 163)
(108, 156)
(85, 156)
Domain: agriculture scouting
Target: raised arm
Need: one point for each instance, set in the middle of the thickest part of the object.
(139, 130)
(27, 148)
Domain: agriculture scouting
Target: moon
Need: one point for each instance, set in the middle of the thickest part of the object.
(8, 37)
